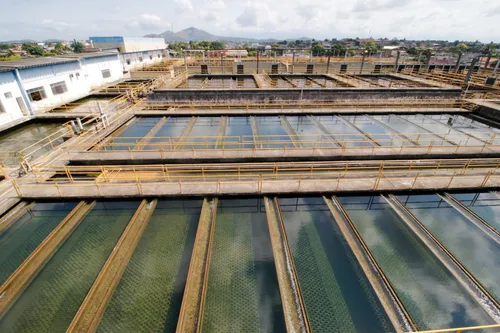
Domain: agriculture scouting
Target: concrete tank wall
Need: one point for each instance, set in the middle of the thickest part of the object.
(225, 96)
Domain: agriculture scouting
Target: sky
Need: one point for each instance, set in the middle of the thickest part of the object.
(319, 19)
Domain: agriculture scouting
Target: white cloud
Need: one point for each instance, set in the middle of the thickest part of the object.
(248, 18)
(183, 5)
(455, 19)
(147, 22)
(58, 26)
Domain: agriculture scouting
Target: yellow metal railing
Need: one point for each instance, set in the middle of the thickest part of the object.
(449, 140)
(332, 104)
(484, 328)
(137, 180)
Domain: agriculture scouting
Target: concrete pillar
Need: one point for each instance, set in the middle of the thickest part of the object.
(257, 61)
(362, 62)
(293, 61)
(458, 61)
(397, 60)
(496, 67)
(471, 68)
(23, 92)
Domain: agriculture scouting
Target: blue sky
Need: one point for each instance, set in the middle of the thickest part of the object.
(411, 19)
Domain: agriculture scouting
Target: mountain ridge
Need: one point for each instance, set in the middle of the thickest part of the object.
(196, 35)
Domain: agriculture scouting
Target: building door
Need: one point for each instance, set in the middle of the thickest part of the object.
(22, 106)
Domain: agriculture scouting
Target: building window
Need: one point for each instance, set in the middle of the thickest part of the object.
(105, 73)
(128, 61)
(150, 57)
(8, 95)
(36, 94)
(2, 108)
(71, 76)
(59, 88)
(159, 56)
(140, 59)
(77, 76)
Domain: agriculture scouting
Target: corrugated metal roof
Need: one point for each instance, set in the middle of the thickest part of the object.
(34, 62)
(46, 61)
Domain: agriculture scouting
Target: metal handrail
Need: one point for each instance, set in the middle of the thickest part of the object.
(462, 329)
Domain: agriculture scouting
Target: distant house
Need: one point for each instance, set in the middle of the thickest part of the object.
(390, 50)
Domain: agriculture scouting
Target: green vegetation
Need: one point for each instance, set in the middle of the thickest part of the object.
(202, 45)
(34, 49)
(76, 46)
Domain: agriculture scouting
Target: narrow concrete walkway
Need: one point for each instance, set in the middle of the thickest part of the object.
(90, 312)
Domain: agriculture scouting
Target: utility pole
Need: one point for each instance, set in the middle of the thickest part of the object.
(328, 63)
(293, 61)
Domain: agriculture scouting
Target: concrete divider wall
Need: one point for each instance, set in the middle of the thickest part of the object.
(257, 95)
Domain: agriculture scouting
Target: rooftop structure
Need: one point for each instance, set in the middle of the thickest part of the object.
(129, 44)
(257, 195)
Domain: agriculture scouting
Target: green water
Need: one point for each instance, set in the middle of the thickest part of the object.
(478, 252)
(243, 293)
(52, 299)
(430, 293)
(149, 295)
(337, 294)
(27, 136)
(22, 237)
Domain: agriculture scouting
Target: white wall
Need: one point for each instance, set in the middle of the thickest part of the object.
(93, 69)
(90, 76)
(8, 84)
(146, 60)
(44, 76)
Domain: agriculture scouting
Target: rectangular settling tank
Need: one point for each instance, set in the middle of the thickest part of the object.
(477, 250)
(52, 299)
(337, 295)
(29, 230)
(149, 295)
(243, 293)
(431, 294)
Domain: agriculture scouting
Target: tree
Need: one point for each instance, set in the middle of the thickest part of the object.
(370, 46)
(339, 49)
(76, 46)
(5, 46)
(33, 49)
(317, 48)
(490, 51)
(60, 48)
(461, 47)
(217, 45)
(394, 42)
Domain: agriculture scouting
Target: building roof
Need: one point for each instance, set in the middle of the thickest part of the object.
(46, 61)
(34, 62)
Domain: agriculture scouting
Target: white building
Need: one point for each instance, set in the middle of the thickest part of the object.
(31, 85)
(134, 51)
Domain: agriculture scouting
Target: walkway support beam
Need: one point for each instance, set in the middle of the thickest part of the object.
(190, 316)
(92, 309)
(291, 296)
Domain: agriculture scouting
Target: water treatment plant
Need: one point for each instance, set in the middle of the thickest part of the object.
(188, 194)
